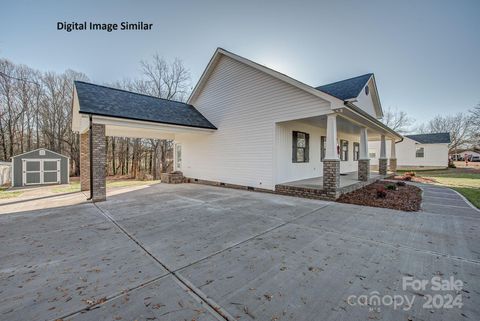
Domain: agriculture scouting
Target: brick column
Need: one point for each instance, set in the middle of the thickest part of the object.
(393, 165)
(99, 163)
(382, 166)
(84, 162)
(331, 177)
(363, 169)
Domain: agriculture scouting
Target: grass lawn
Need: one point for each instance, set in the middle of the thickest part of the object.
(74, 186)
(466, 181)
(4, 194)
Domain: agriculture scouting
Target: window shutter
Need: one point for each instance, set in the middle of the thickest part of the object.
(307, 148)
(294, 147)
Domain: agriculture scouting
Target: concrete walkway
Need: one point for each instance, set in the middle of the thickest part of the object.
(193, 252)
(442, 200)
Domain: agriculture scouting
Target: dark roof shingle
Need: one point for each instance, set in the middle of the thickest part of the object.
(435, 138)
(346, 89)
(112, 102)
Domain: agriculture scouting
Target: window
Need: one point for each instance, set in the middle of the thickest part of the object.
(343, 150)
(323, 147)
(300, 143)
(367, 90)
(420, 152)
(372, 153)
(356, 151)
(178, 157)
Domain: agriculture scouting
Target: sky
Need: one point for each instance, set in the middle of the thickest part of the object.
(424, 54)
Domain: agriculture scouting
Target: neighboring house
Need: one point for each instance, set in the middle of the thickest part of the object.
(469, 155)
(421, 151)
(40, 167)
(247, 125)
(5, 173)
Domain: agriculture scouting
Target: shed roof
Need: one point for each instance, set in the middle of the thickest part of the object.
(434, 138)
(106, 101)
(39, 149)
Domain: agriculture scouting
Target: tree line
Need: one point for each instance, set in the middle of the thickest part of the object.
(464, 127)
(36, 111)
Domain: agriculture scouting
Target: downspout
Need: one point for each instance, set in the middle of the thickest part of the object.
(90, 136)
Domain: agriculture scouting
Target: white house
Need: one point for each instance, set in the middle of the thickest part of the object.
(470, 155)
(421, 151)
(249, 126)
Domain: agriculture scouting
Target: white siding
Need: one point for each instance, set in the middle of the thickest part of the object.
(435, 155)
(244, 104)
(365, 102)
(288, 171)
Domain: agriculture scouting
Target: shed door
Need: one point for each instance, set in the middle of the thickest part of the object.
(41, 171)
(51, 171)
(32, 172)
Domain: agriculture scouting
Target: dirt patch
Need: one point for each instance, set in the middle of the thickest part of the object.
(418, 179)
(404, 198)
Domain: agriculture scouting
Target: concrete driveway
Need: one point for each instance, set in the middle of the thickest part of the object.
(193, 252)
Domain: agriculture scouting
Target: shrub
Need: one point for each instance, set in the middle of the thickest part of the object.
(411, 174)
(401, 184)
(392, 187)
(451, 165)
(407, 178)
(381, 193)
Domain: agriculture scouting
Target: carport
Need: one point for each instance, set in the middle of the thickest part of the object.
(100, 111)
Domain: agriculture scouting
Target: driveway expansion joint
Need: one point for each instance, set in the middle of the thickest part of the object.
(215, 309)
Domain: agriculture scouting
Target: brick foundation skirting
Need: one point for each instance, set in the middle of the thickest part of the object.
(305, 192)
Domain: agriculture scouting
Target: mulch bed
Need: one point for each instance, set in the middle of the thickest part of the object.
(405, 198)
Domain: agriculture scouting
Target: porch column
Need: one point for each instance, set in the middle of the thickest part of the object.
(331, 163)
(84, 162)
(99, 156)
(393, 157)
(383, 160)
(363, 160)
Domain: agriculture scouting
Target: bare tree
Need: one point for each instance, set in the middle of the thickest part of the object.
(475, 114)
(460, 127)
(397, 120)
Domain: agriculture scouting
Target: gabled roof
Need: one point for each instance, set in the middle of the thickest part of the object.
(220, 51)
(346, 89)
(436, 138)
(106, 101)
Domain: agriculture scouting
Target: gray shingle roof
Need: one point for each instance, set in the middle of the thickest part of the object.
(346, 89)
(106, 101)
(436, 138)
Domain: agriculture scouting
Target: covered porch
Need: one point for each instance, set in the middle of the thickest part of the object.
(346, 180)
(337, 157)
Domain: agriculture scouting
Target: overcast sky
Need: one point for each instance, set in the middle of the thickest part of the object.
(425, 54)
